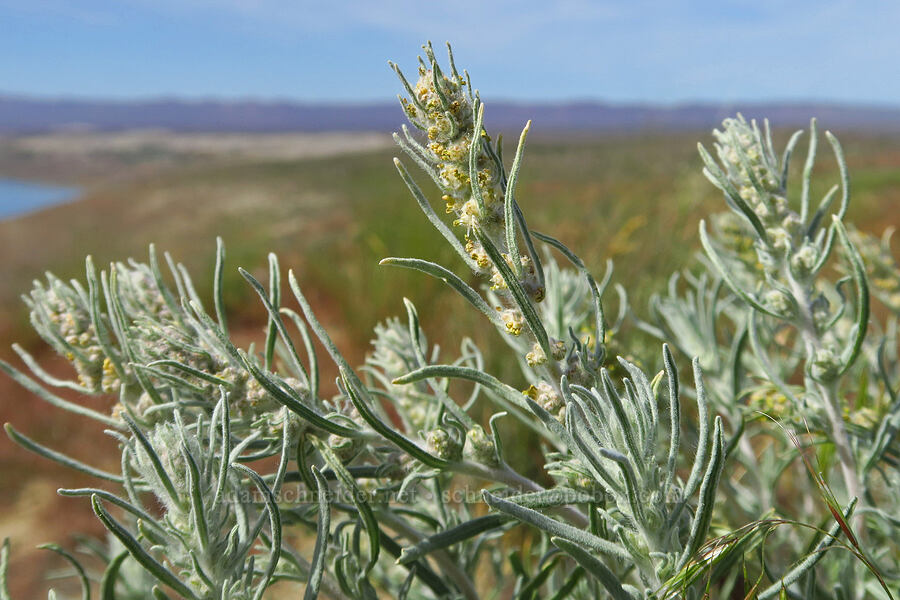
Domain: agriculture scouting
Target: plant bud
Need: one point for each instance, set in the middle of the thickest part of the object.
(480, 447)
(778, 301)
(443, 445)
(536, 357)
(825, 365)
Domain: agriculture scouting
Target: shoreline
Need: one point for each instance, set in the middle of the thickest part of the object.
(20, 197)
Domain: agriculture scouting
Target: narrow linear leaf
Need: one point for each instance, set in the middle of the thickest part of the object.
(474, 151)
(58, 457)
(515, 288)
(317, 567)
(702, 442)
(529, 244)
(168, 298)
(288, 438)
(320, 332)
(509, 205)
(725, 272)
(274, 301)
(358, 498)
(811, 560)
(703, 516)
(4, 570)
(97, 320)
(491, 383)
(861, 324)
(218, 285)
(195, 485)
(112, 499)
(845, 175)
(432, 217)
(387, 431)
(420, 568)
(290, 399)
(414, 334)
(626, 422)
(460, 372)
(274, 526)
(276, 324)
(310, 351)
(817, 217)
(703, 436)
(595, 567)
(154, 460)
(551, 498)
(714, 173)
(79, 570)
(33, 387)
(529, 592)
(175, 380)
(409, 90)
(596, 290)
(674, 416)
(223, 410)
(571, 582)
(111, 576)
(138, 552)
(552, 241)
(556, 528)
(117, 317)
(452, 536)
(403, 592)
(46, 377)
(807, 170)
(189, 370)
(762, 356)
(786, 157)
(158, 594)
(495, 435)
(451, 279)
(588, 446)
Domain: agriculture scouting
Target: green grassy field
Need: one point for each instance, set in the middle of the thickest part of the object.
(636, 199)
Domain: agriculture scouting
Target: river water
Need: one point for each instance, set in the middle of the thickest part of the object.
(18, 197)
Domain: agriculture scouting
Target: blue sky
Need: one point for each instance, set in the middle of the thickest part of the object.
(641, 50)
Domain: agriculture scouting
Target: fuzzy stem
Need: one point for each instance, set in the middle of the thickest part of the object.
(828, 391)
(515, 480)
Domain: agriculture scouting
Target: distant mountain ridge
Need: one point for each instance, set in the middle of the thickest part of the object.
(23, 115)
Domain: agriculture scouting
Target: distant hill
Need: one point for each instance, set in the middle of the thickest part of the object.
(20, 115)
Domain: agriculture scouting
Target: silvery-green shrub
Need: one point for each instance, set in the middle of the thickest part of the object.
(770, 471)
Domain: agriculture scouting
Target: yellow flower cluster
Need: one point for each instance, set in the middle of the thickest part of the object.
(548, 399)
(463, 162)
(58, 308)
(445, 112)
